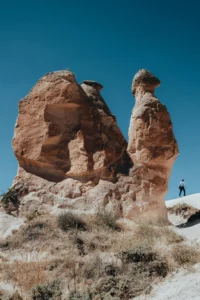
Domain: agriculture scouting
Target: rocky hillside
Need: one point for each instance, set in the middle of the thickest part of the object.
(85, 217)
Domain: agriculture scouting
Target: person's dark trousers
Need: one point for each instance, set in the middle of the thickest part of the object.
(182, 189)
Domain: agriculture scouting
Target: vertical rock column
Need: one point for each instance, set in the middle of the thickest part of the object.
(152, 145)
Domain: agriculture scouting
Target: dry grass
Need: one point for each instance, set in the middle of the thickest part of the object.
(37, 233)
(182, 209)
(171, 237)
(107, 219)
(153, 234)
(93, 268)
(146, 233)
(100, 262)
(32, 215)
(25, 274)
(122, 287)
(185, 255)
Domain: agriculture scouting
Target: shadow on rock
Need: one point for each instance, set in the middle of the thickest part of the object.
(193, 220)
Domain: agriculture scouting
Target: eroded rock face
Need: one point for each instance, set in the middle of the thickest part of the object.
(65, 130)
(152, 145)
(72, 155)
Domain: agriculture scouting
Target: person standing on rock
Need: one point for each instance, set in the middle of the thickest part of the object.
(182, 187)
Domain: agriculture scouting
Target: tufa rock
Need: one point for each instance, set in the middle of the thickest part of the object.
(152, 145)
(72, 155)
(65, 130)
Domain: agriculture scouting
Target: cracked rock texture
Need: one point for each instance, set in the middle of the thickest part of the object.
(152, 146)
(73, 156)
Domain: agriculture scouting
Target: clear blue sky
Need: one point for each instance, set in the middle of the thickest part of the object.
(107, 41)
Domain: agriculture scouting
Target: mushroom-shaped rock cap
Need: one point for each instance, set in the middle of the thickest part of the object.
(145, 79)
(94, 84)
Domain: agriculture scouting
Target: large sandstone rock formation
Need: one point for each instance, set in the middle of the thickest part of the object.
(152, 145)
(72, 155)
(65, 130)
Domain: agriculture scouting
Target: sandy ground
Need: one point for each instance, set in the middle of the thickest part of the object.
(181, 286)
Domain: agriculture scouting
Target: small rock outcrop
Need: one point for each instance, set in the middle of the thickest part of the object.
(73, 156)
(152, 146)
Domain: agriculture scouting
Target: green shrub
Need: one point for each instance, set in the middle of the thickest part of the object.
(144, 259)
(138, 254)
(158, 267)
(47, 291)
(107, 219)
(76, 295)
(68, 220)
(10, 200)
(33, 230)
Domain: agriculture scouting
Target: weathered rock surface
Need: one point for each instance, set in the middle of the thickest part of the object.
(73, 156)
(152, 145)
(67, 131)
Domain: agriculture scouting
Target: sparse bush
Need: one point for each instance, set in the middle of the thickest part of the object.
(158, 267)
(4, 245)
(145, 260)
(54, 264)
(93, 268)
(47, 291)
(34, 230)
(68, 220)
(80, 245)
(185, 255)
(138, 254)
(76, 295)
(107, 219)
(122, 287)
(183, 209)
(10, 200)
